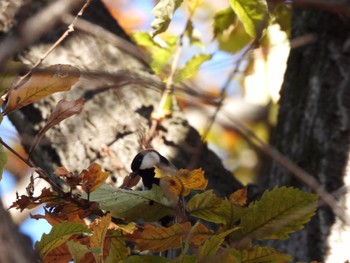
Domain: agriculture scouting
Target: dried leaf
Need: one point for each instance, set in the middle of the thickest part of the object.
(239, 197)
(159, 238)
(93, 177)
(63, 110)
(99, 228)
(41, 84)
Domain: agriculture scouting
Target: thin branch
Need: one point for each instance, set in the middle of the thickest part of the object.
(290, 166)
(69, 30)
(34, 27)
(57, 185)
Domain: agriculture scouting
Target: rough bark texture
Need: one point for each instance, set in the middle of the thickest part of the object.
(117, 109)
(313, 122)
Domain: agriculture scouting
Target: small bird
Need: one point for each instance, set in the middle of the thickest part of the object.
(144, 164)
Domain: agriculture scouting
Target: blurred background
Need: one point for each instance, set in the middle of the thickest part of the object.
(251, 96)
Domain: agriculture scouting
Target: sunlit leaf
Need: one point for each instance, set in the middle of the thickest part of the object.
(77, 250)
(93, 177)
(163, 13)
(41, 84)
(99, 228)
(253, 14)
(223, 19)
(58, 235)
(160, 53)
(211, 208)
(278, 213)
(148, 205)
(182, 183)
(63, 110)
(193, 5)
(191, 67)
(3, 160)
(234, 39)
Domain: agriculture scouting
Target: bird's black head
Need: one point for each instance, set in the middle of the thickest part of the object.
(143, 165)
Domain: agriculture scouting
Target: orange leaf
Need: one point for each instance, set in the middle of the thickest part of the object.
(182, 183)
(239, 197)
(63, 110)
(93, 177)
(41, 84)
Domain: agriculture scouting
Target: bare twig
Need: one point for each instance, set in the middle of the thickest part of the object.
(290, 166)
(56, 184)
(102, 33)
(35, 27)
(69, 30)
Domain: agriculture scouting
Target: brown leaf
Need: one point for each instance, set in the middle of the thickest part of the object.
(63, 110)
(41, 84)
(72, 179)
(159, 238)
(239, 197)
(93, 177)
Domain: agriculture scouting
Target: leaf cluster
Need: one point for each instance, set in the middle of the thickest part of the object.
(125, 223)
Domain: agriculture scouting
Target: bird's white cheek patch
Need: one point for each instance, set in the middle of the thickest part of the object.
(149, 160)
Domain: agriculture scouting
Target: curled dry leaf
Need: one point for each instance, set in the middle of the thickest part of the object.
(56, 78)
(93, 177)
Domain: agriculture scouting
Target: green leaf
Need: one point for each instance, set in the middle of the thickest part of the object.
(278, 213)
(212, 245)
(253, 14)
(118, 250)
(191, 67)
(144, 259)
(58, 235)
(77, 250)
(223, 19)
(160, 54)
(163, 13)
(147, 205)
(234, 39)
(192, 34)
(211, 208)
(3, 159)
(260, 254)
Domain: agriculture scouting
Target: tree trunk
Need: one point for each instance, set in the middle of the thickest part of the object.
(313, 121)
(117, 108)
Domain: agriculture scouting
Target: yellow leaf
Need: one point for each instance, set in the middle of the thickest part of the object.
(93, 177)
(57, 78)
(182, 183)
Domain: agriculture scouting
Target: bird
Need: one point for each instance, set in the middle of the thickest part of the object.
(144, 164)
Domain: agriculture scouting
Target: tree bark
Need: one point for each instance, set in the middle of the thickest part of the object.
(313, 122)
(117, 108)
